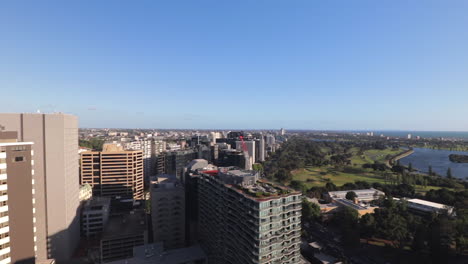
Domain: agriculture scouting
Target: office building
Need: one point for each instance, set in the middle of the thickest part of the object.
(250, 145)
(94, 216)
(168, 211)
(17, 205)
(113, 172)
(123, 232)
(244, 219)
(157, 254)
(55, 138)
(231, 157)
(160, 163)
(177, 160)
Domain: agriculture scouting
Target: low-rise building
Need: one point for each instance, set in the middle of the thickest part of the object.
(364, 195)
(361, 208)
(424, 206)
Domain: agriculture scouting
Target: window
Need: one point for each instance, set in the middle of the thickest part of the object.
(19, 159)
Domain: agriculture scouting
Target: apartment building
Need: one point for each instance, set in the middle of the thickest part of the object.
(17, 211)
(55, 138)
(245, 219)
(113, 172)
(168, 211)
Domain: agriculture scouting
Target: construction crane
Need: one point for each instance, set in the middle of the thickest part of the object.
(246, 154)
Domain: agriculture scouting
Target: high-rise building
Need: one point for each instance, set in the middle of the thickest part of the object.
(94, 215)
(55, 138)
(17, 211)
(177, 160)
(282, 131)
(244, 219)
(149, 155)
(261, 147)
(168, 211)
(250, 148)
(113, 172)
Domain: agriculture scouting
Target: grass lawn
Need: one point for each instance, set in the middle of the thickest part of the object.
(320, 176)
(370, 156)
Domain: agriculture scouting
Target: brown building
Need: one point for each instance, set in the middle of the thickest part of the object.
(55, 148)
(113, 172)
(17, 233)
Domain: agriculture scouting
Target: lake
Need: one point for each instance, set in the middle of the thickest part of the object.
(438, 159)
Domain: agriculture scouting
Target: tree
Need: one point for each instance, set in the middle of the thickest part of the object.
(351, 195)
(310, 211)
(410, 166)
(257, 167)
(348, 221)
(283, 175)
(430, 171)
(297, 185)
(330, 186)
(449, 173)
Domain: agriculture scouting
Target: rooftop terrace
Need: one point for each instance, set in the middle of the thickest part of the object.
(249, 183)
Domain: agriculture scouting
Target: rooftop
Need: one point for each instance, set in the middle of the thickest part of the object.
(428, 203)
(15, 144)
(249, 184)
(362, 192)
(155, 254)
(125, 224)
(165, 182)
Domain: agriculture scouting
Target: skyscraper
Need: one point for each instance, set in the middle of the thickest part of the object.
(261, 155)
(113, 172)
(244, 219)
(55, 148)
(250, 148)
(17, 229)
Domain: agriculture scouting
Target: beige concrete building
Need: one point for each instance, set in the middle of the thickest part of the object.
(168, 211)
(17, 233)
(55, 148)
(113, 172)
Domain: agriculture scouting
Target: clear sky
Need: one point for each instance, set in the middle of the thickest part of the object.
(239, 64)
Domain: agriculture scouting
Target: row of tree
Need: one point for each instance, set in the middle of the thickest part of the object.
(436, 235)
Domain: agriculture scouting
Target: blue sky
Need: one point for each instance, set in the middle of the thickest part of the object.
(239, 64)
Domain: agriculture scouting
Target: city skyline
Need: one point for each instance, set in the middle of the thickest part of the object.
(249, 64)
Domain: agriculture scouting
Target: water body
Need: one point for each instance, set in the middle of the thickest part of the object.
(424, 134)
(439, 160)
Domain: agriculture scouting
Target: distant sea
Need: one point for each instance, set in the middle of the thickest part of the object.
(423, 134)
